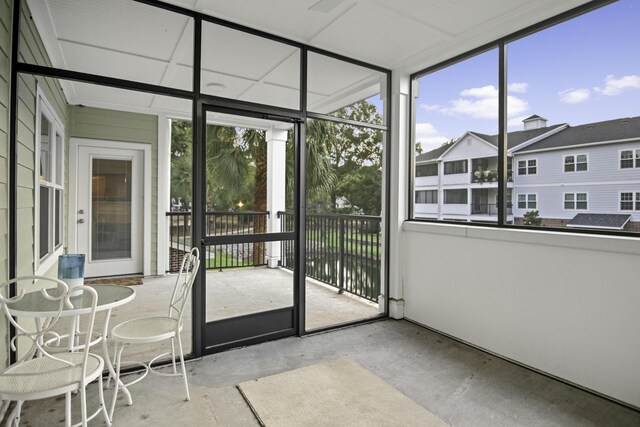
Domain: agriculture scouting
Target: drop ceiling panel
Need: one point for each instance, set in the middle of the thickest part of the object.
(87, 94)
(272, 95)
(289, 18)
(452, 17)
(113, 64)
(377, 35)
(287, 73)
(223, 85)
(120, 25)
(236, 53)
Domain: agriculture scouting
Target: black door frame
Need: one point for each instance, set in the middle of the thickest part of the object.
(255, 327)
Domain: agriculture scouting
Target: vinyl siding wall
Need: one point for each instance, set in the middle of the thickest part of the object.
(32, 50)
(603, 181)
(111, 125)
(5, 51)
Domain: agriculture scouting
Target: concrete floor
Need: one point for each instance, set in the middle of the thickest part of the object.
(461, 385)
(231, 293)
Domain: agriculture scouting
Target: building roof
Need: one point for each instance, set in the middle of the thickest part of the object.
(513, 139)
(608, 221)
(433, 154)
(534, 117)
(610, 130)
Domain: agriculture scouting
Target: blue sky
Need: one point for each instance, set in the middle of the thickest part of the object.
(580, 71)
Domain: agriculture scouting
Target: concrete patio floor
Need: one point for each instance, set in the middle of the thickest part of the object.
(235, 292)
(459, 384)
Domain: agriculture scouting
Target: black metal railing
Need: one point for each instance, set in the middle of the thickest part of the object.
(219, 224)
(342, 251)
(488, 209)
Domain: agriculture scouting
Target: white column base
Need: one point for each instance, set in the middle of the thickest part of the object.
(396, 308)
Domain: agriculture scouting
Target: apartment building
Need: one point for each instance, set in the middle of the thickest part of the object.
(583, 176)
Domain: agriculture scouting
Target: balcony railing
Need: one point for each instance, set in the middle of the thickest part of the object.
(219, 224)
(343, 251)
(488, 209)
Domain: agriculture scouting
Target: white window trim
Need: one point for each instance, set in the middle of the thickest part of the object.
(575, 163)
(575, 200)
(633, 200)
(517, 167)
(634, 152)
(526, 200)
(44, 107)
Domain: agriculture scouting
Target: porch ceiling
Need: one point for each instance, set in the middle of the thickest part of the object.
(133, 41)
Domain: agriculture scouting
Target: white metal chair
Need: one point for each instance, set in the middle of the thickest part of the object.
(47, 375)
(154, 329)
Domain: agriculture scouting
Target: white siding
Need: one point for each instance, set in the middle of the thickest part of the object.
(603, 181)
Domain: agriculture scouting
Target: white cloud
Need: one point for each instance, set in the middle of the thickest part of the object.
(518, 87)
(428, 136)
(615, 86)
(482, 103)
(488, 91)
(574, 96)
(516, 122)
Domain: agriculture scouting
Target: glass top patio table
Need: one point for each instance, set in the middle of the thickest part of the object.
(33, 304)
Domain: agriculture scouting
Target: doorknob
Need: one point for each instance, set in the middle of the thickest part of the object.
(80, 221)
(81, 211)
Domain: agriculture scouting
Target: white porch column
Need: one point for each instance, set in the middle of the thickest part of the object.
(276, 191)
(401, 106)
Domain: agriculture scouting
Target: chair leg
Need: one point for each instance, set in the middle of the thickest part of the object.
(14, 417)
(83, 403)
(102, 404)
(184, 370)
(116, 380)
(67, 409)
(173, 356)
(3, 409)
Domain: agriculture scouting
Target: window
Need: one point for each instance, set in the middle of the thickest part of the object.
(455, 197)
(527, 201)
(627, 159)
(577, 163)
(430, 169)
(527, 167)
(459, 166)
(627, 201)
(575, 201)
(49, 179)
(427, 196)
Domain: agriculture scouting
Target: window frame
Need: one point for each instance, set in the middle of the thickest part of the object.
(575, 163)
(461, 161)
(427, 164)
(575, 201)
(55, 184)
(433, 191)
(504, 152)
(527, 201)
(635, 201)
(527, 166)
(635, 158)
(444, 196)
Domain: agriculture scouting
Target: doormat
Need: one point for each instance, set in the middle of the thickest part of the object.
(123, 281)
(334, 393)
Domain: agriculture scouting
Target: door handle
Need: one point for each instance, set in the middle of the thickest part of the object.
(80, 221)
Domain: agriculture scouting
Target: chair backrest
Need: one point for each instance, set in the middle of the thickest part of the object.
(51, 297)
(184, 283)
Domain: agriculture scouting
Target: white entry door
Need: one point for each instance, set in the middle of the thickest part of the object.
(109, 219)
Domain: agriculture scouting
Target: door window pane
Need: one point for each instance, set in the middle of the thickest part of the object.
(110, 209)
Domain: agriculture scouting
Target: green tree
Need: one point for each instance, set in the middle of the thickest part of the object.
(532, 218)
